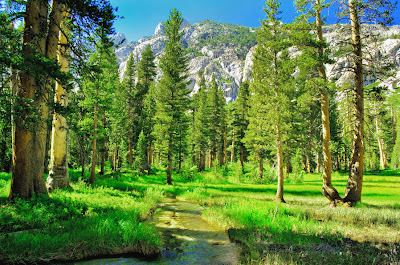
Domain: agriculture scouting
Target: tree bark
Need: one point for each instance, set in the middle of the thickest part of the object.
(58, 174)
(14, 92)
(355, 181)
(30, 139)
(279, 156)
(327, 189)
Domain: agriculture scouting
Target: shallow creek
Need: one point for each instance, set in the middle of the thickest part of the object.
(188, 238)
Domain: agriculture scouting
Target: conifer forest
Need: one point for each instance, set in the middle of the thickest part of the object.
(208, 143)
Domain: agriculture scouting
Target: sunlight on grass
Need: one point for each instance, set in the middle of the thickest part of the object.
(108, 217)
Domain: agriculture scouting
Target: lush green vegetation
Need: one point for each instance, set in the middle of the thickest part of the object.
(184, 144)
(107, 219)
(76, 224)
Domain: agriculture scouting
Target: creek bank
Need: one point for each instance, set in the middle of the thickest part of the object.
(187, 237)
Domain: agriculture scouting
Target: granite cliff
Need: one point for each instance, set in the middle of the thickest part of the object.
(227, 52)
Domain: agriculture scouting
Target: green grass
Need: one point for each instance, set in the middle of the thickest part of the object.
(73, 225)
(107, 218)
(305, 230)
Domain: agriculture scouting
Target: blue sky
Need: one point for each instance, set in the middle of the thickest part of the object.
(142, 16)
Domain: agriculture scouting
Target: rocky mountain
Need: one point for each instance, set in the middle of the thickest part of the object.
(227, 52)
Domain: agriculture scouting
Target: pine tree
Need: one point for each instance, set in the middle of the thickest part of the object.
(200, 127)
(141, 157)
(242, 107)
(58, 173)
(129, 85)
(270, 92)
(39, 67)
(172, 97)
(146, 74)
(359, 13)
(216, 105)
(149, 112)
(318, 50)
(99, 88)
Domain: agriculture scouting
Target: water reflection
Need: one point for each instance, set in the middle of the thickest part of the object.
(188, 238)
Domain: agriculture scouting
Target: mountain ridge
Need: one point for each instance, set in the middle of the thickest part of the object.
(227, 51)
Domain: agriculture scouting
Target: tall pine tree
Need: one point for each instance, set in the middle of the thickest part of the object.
(271, 90)
(172, 97)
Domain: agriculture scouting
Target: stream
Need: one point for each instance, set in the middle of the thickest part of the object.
(188, 238)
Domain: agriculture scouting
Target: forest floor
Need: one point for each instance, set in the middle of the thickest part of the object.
(107, 220)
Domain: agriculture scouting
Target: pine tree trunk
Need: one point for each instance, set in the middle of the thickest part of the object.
(14, 91)
(58, 174)
(30, 143)
(382, 154)
(355, 181)
(327, 189)
(308, 163)
(260, 166)
(279, 156)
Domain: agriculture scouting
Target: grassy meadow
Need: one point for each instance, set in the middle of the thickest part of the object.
(108, 219)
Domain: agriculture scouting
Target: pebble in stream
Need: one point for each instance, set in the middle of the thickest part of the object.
(188, 238)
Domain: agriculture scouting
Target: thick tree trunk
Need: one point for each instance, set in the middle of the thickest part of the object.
(30, 142)
(58, 174)
(355, 181)
(279, 156)
(327, 189)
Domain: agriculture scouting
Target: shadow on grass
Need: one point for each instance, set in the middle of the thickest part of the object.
(288, 247)
(310, 193)
(37, 212)
(383, 173)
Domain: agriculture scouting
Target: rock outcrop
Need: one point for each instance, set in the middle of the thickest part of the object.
(227, 52)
